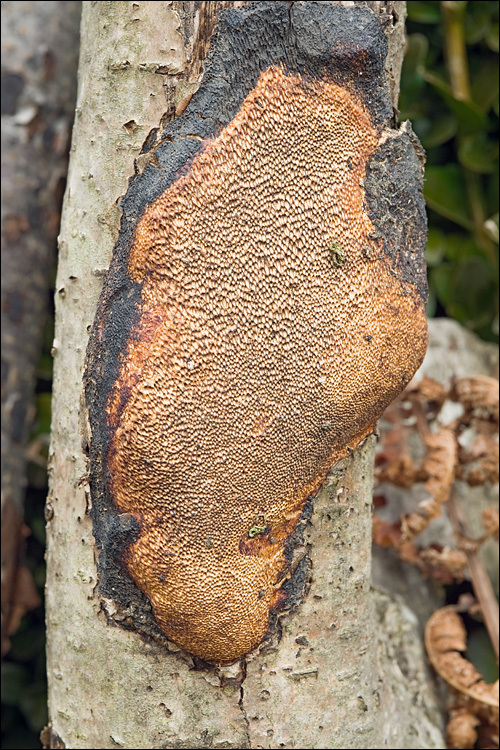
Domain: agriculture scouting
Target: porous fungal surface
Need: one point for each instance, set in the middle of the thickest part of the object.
(263, 307)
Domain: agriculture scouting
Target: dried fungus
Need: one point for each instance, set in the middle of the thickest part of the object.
(476, 701)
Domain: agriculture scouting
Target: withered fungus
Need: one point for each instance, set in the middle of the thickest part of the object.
(232, 362)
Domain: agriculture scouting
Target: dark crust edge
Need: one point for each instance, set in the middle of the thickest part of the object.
(394, 198)
(317, 40)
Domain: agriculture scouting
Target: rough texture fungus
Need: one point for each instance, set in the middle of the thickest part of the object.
(264, 304)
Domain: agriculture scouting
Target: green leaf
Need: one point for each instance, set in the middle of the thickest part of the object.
(492, 37)
(43, 414)
(442, 130)
(417, 48)
(39, 576)
(27, 643)
(485, 84)
(37, 526)
(445, 192)
(45, 365)
(34, 705)
(436, 247)
(430, 308)
(18, 737)
(421, 125)
(477, 22)
(492, 191)
(412, 82)
(470, 117)
(466, 291)
(461, 248)
(14, 681)
(424, 12)
(478, 153)
(480, 653)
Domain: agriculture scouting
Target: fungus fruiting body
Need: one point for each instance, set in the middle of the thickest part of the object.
(245, 338)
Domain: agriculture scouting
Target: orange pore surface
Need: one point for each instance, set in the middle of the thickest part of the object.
(261, 355)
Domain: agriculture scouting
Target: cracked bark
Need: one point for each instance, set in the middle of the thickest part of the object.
(328, 682)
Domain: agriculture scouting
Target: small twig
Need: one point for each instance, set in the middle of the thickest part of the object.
(456, 49)
(480, 579)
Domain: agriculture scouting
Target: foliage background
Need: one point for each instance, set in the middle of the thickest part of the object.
(449, 90)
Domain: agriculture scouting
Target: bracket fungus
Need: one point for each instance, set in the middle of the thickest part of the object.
(264, 304)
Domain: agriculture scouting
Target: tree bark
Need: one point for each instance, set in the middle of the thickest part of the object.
(39, 42)
(329, 682)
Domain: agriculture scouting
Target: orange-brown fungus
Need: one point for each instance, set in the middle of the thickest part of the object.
(269, 341)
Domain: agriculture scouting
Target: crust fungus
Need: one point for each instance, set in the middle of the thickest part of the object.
(265, 303)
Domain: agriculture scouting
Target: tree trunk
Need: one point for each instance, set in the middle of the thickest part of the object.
(328, 679)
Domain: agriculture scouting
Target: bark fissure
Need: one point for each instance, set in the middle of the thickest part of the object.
(241, 703)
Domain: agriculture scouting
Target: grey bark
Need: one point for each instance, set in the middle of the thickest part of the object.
(39, 59)
(330, 681)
